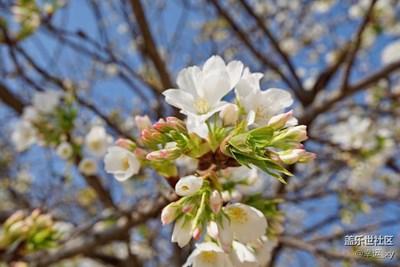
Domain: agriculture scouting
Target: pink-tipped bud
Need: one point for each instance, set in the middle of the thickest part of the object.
(35, 213)
(275, 156)
(197, 233)
(216, 201)
(278, 121)
(212, 230)
(296, 155)
(142, 122)
(15, 217)
(170, 124)
(126, 143)
(152, 137)
(140, 153)
(187, 208)
(307, 157)
(168, 213)
(164, 154)
(297, 133)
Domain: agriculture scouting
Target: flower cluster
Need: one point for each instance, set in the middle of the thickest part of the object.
(28, 15)
(221, 202)
(34, 232)
(50, 121)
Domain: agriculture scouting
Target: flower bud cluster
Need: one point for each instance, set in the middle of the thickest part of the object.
(36, 231)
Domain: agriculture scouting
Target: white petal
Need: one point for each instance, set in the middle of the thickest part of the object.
(180, 99)
(182, 232)
(198, 127)
(225, 234)
(276, 100)
(190, 80)
(248, 223)
(235, 69)
(216, 85)
(214, 63)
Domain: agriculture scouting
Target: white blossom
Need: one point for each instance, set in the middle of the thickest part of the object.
(352, 133)
(188, 185)
(88, 166)
(97, 141)
(121, 163)
(260, 106)
(30, 114)
(391, 53)
(64, 150)
(201, 90)
(46, 102)
(208, 254)
(24, 135)
(248, 224)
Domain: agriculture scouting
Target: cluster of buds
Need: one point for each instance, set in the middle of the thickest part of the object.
(33, 232)
(170, 139)
(268, 146)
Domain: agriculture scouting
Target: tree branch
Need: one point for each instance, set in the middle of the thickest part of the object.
(363, 83)
(150, 45)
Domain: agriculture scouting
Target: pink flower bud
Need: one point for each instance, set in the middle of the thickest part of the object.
(152, 137)
(216, 201)
(296, 155)
(15, 217)
(198, 231)
(171, 123)
(143, 122)
(297, 133)
(140, 153)
(126, 143)
(307, 157)
(168, 213)
(187, 208)
(164, 154)
(278, 121)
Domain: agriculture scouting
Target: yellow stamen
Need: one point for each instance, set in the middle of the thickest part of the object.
(201, 105)
(208, 256)
(125, 163)
(237, 214)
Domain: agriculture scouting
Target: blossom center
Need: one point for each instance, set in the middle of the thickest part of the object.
(95, 145)
(261, 113)
(208, 256)
(88, 166)
(125, 163)
(185, 187)
(237, 214)
(201, 105)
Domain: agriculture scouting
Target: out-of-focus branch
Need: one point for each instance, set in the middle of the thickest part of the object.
(8, 98)
(274, 42)
(89, 242)
(150, 46)
(246, 40)
(356, 43)
(362, 84)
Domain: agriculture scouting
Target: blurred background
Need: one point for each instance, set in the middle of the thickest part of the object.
(109, 60)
